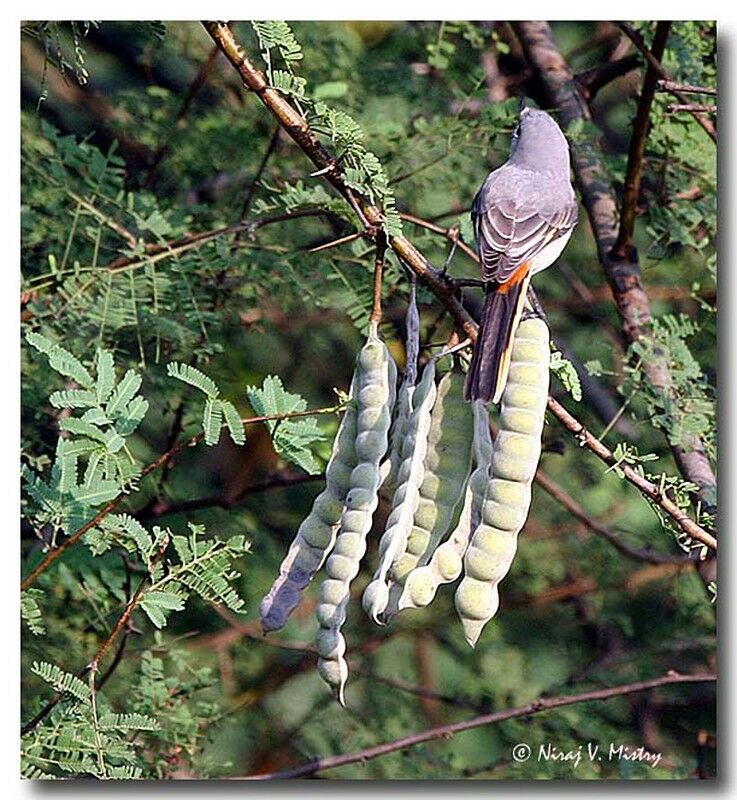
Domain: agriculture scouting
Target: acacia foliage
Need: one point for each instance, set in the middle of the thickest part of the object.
(138, 336)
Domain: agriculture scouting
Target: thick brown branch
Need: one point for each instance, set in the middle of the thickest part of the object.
(622, 249)
(446, 731)
(592, 80)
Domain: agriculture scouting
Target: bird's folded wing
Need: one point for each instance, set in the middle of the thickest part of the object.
(508, 233)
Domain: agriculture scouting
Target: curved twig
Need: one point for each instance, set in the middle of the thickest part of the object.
(446, 731)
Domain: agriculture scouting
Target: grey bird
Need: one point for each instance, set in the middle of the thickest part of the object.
(523, 217)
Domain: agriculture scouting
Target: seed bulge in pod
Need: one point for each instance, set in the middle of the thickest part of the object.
(340, 567)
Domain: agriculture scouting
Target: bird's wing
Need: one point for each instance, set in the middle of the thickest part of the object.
(512, 227)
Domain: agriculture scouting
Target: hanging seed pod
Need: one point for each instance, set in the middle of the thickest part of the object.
(316, 535)
(376, 379)
(405, 394)
(407, 495)
(513, 465)
(446, 563)
(447, 465)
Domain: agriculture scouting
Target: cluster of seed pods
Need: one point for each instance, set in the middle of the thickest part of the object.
(458, 502)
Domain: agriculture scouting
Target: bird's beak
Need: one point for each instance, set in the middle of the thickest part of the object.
(523, 106)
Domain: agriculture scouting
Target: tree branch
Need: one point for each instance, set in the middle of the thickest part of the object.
(451, 234)
(592, 80)
(299, 130)
(250, 194)
(624, 277)
(381, 244)
(623, 247)
(94, 665)
(154, 252)
(192, 92)
(279, 479)
(648, 488)
(686, 88)
(446, 731)
(675, 108)
(443, 287)
(648, 556)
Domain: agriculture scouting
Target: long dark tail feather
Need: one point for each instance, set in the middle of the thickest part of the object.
(491, 354)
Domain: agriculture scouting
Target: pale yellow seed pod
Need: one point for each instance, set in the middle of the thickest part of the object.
(446, 563)
(376, 387)
(442, 492)
(316, 535)
(405, 395)
(513, 464)
(406, 497)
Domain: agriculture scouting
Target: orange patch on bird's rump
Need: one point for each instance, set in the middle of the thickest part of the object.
(517, 276)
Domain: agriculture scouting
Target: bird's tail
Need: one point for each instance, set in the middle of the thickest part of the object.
(493, 349)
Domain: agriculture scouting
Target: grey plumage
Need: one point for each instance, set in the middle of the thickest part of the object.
(523, 215)
(527, 202)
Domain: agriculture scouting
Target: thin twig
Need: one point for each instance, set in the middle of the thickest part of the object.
(192, 92)
(686, 88)
(446, 731)
(623, 246)
(451, 234)
(674, 108)
(381, 245)
(648, 488)
(351, 237)
(278, 480)
(94, 665)
(639, 43)
(162, 459)
(160, 251)
(558, 493)
(251, 193)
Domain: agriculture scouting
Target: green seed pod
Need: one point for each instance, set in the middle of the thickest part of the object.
(508, 494)
(316, 535)
(446, 562)
(407, 494)
(405, 403)
(443, 489)
(376, 371)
